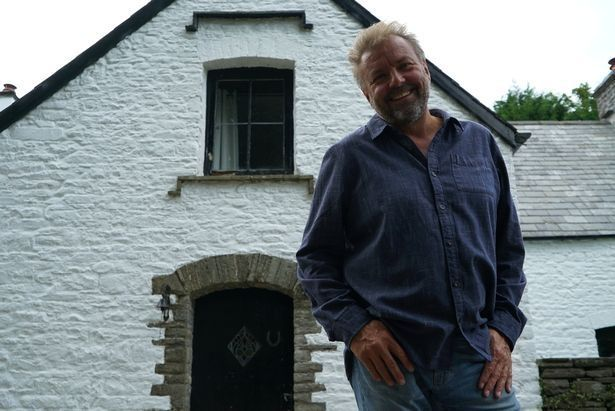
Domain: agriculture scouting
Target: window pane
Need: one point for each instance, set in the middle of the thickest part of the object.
(230, 147)
(267, 147)
(268, 101)
(249, 120)
(233, 100)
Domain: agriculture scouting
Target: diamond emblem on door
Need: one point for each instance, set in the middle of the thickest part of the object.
(244, 346)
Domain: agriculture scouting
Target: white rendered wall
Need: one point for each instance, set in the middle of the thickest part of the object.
(85, 219)
(572, 294)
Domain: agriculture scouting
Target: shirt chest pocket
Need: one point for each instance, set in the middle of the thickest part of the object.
(473, 174)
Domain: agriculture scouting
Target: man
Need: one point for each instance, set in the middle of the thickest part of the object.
(412, 254)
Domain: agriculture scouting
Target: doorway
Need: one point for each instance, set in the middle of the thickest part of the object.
(242, 351)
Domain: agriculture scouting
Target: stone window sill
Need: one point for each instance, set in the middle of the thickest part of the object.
(253, 178)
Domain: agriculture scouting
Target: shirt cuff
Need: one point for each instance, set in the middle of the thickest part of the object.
(349, 323)
(507, 325)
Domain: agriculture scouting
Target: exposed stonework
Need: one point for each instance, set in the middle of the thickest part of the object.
(578, 383)
(211, 274)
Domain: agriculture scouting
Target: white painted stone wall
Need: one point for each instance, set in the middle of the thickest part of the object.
(572, 294)
(86, 222)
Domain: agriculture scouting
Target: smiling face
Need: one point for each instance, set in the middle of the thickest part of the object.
(395, 81)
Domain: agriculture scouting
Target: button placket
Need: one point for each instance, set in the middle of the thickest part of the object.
(447, 232)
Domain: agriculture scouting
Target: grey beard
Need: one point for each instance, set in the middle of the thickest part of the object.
(407, 115)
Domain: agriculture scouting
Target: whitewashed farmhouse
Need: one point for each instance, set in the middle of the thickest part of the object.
(173, 163)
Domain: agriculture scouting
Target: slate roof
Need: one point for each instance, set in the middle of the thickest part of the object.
(565, 178)
(75, 67)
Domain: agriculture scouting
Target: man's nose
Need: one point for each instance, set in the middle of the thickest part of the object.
(397, 78)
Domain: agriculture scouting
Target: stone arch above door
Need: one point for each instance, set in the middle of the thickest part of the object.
(211, 274)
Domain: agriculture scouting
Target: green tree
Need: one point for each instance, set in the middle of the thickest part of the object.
(528, 104)
(585, 107)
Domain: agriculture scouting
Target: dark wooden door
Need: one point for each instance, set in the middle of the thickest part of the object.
(242, 351)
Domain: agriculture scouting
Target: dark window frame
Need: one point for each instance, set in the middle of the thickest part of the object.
(251, 74)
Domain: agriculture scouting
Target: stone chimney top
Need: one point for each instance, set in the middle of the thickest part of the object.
(8, 88)
(7, 96)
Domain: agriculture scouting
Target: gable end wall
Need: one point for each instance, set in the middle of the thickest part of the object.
(86, 222)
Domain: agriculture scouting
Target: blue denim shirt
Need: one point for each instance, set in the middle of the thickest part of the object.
(431, 246)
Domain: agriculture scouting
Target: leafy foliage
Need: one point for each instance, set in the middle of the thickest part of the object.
(530, 105)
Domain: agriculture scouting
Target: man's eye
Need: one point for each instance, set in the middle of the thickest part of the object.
(378, 79)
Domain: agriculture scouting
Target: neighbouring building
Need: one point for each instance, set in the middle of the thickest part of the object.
(566, 190)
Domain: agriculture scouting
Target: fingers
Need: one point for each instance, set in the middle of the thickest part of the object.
(373, 371)
(499, 386)
(400, 354)
(494, 379)
(382, 366)
(497, 374)
(378, 350)
(389, 371)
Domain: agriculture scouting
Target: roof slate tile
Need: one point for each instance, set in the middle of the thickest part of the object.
(565, 177)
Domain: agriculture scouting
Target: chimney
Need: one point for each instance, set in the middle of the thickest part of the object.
(7, 96)
(605, 95)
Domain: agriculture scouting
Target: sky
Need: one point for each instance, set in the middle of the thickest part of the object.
(487, 46)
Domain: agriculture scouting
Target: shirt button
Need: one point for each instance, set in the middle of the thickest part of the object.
(456, 284)
(433, 173)
(449, 243)
(442, 206)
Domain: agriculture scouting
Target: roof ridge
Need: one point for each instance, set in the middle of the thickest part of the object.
(90, 56)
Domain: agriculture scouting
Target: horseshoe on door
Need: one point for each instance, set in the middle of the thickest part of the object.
(277, 341)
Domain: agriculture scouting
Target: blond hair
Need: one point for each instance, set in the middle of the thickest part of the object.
(372, 36)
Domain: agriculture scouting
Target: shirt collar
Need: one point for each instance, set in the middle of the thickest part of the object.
(376, 125)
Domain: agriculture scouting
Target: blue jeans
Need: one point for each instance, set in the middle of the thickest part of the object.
(454, 388)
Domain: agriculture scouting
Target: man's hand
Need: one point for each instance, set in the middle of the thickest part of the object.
(497, 374)
(377, 349)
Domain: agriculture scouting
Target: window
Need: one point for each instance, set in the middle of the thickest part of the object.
(249, 121)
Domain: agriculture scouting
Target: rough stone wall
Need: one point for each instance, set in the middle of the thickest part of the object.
(86, 222)
(578, 383)
(571, 294)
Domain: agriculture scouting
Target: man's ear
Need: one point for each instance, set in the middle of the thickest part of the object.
(366, 95)
(426, 69)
